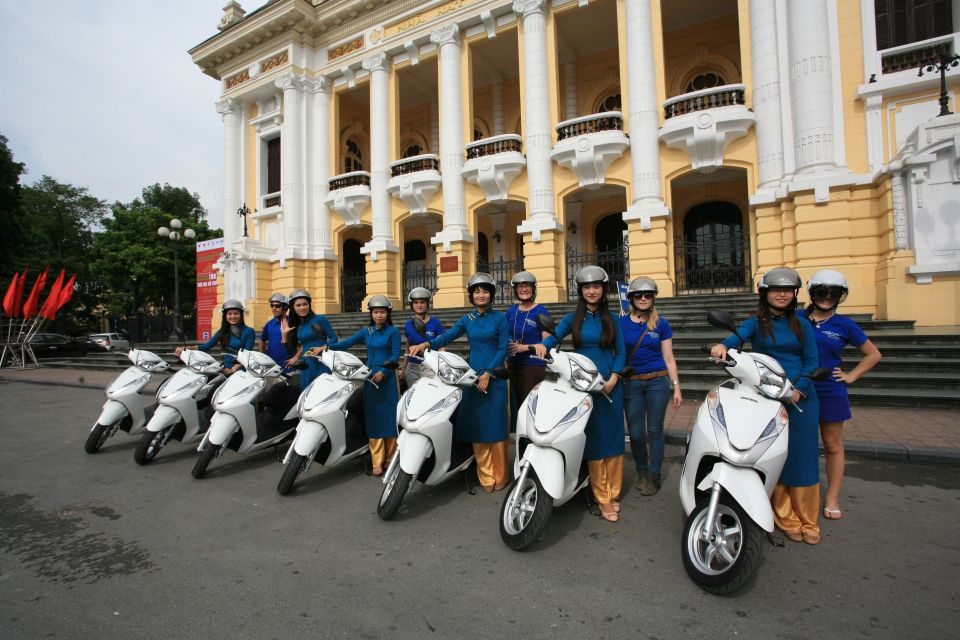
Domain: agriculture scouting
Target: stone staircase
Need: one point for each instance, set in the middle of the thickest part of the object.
(920, 367)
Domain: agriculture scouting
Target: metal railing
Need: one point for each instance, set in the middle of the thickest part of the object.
(497, 144)
(352, 179)
(502, 271)
(419, 275)
(353, 289)
(725, 96)
(909, 57)
(271, 200)
(606, 121)
(712, 266)
(615, 261)
(425, 162)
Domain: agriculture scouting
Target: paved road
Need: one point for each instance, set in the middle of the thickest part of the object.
(95, 546)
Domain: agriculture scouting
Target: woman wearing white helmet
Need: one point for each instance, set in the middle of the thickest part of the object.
(596, 334)
(483, 418)
(526, 372)
(827, 289)
(419, 300)
(232, 336)
(776, 331)
(303, 329)
(379, 404)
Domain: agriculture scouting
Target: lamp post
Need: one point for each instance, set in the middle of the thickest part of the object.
(243, 212)
(940, 64)
(174, 234)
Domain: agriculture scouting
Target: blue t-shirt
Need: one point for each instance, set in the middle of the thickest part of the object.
(648, 357)
(525, 330)
(833, 335)
(273, 336)
(434, 329)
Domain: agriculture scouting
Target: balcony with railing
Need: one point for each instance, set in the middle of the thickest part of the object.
(414, 181)
(349, 195)
(493, 164)
(909, 57)
(269, 201)
(589, 144)
(704, 122)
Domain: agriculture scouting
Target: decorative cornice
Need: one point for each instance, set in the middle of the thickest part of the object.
(525, 8)
(376, 62)
(449, 34)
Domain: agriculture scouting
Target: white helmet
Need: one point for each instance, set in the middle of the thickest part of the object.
(420, 293)
(780, 277)
(825, 280)
(232, 305)
(379, 302)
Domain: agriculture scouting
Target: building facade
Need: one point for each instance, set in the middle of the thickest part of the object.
(382, 145)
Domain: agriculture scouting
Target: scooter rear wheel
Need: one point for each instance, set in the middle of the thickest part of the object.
(98, 436)
(200, 468)
(728, 559)
(149, 446)
(523, 521)
(291, 471)
(396, 487)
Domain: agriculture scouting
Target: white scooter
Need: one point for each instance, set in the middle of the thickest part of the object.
(551, 424)
(124, 406)
(426, 450)
(183, 405)
(251, 414)
(331, 430)
(735, 452)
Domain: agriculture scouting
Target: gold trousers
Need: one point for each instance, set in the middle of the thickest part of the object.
(796, 508)
(381, 451)
(491, 459)
(606, 478)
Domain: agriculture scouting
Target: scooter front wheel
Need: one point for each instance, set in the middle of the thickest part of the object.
(98, 436)
(724, 557)
(291, 471)
(523, 519)
(149, 446)
(200, 468)
(396, 486)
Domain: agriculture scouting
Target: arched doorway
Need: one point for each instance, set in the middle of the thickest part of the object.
(712, 255)
(417, 272)
(353, 276)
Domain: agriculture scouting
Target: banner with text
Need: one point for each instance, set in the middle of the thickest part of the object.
(208, 252)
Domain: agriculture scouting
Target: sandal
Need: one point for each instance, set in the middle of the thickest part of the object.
(378, 471)
(832, 514)
(811, 537)
(793, 536)
(608, 513)
(616, 506)
(488, 488)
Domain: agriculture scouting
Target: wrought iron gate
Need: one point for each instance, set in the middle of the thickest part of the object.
(713, 265)
(353, 289)
(502, 271)
(421, 275)
(615, 261)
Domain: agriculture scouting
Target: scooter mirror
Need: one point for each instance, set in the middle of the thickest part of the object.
(722, 320)
(820, 373)
(420, 327)
(390, 365)
(546, 323)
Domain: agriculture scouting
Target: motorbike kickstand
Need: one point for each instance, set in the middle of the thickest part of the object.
(368, 470)
(592, 504)
(776, 541)
(466, 481)
(276, 452)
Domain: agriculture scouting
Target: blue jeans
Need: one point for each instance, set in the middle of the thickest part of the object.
(645, 402)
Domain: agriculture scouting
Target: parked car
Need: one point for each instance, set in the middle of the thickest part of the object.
(111, 341)
(53, 345)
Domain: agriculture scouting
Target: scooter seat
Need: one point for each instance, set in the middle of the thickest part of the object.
(282, 395)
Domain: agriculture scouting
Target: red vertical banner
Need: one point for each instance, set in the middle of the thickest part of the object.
(208, 252)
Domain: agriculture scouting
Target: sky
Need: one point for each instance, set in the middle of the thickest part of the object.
(102, 94)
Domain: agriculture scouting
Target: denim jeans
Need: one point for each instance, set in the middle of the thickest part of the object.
(645, 402)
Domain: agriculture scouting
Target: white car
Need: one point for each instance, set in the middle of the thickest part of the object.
(111, 341)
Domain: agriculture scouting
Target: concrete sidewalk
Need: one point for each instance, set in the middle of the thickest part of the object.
(906, 435)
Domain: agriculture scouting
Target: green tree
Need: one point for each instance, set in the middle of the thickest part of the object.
(177, 202)
(12, 237)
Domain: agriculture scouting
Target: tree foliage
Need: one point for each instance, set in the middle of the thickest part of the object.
(12, 236)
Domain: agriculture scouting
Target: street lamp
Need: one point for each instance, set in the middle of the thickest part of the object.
(940, 64)
(174, 234)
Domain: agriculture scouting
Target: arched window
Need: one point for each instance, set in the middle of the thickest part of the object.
(610, 103)
(353, 158)
(705, 80)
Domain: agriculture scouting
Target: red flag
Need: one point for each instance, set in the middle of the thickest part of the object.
(18, 295)
(33, 300)
(49, 309)
(8, 296)
(66, 293)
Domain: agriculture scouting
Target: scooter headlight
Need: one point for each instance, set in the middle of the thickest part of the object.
(336, 395)
(532, 398)
(580, 378)
(259, 369)
(449, 373)
(343, 368)
(578, 411)
(776, 425)
(148, 363)
(446, 403)
(716, 409)
(136, 382)
(772, 383)
(190, 385)
(254, 387)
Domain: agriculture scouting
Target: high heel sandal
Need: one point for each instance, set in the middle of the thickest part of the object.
(608, 513)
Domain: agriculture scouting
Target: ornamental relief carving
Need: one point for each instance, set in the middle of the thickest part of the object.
(272, 63)
(347, 47)
(238, 78)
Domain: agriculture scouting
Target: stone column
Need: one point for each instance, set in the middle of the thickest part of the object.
(496, 91)
(320, 152)
(291, 168)
(232, 113)
(766, 91)
(643, 116)
(378, 66)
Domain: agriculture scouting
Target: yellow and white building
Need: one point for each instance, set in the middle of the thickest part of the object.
(382, 144)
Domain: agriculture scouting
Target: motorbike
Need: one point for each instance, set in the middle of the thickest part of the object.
(124, 408)
(331, 430)
(551, 424)
(426, 449)
(735, 452)
(253, 410)
(183, 409)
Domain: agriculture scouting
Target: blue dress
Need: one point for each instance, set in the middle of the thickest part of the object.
(802, 468)
(483, 417)
(315, 331)
(833, 335)
(247, 337)
(379, 405)
(605, 435)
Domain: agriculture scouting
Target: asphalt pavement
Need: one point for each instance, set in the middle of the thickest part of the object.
(96, 546)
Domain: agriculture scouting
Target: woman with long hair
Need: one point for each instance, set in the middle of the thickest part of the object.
(232, 336)
(596, 335)
(776, 331)
(302, 330)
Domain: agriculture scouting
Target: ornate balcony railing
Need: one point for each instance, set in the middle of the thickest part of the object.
(725, 96)
(494, 145)
(425, 162)
(606, 121)
(352, 179)
(909, 57)
(271, 200)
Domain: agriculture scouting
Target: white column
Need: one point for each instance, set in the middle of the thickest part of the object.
(434, 128)
(291, 166)
(766, 91)
(811, 90)
(382, 240)
(320, 152)
(570, 90)
(232, 113)
(496, 91)
(455, 227)
(643, 117)
(541, 215)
